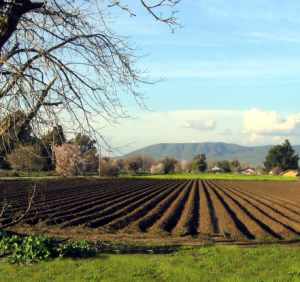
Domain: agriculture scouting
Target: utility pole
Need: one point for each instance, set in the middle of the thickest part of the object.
(52, 150)
(143, 169)
(99, 166)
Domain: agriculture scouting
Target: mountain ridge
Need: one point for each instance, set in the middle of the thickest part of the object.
(214, 151)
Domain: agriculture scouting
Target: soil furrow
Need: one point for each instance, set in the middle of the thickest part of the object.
(209, 223)
(189, 220)
(169, 219)
(115, 202)
(281, 229)
(109, 208)
(78, 208)
(257, 228)
(150, 218)
(230, 227)
(110, 216)
(120, 223)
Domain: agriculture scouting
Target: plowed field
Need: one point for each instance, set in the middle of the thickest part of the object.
(219, 210)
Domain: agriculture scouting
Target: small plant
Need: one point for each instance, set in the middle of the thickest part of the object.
(26, 250)
(79, 249)
(32, 249)
(6, 245)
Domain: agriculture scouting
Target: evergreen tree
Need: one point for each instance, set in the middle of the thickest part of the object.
(54, 137)
(85, 142)
(199, 163)
(282, 156)
(225, 165)
(169, 165)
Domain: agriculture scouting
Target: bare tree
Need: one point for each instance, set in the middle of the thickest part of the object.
(59, 60)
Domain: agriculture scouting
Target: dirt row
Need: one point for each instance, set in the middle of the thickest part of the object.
(218, 210)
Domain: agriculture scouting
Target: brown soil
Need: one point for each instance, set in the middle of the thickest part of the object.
(163, 211)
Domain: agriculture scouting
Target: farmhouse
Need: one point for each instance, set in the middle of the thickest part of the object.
(216, 169)
(249, 171)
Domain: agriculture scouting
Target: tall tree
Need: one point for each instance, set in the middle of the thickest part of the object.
(168, 164)
(14, 130)
(282, 156)
(224, 165)
(85, 142)
(54, 137)
(199, 163)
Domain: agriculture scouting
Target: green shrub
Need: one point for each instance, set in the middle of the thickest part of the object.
(32, 249)
(78, 249)
(26, 250)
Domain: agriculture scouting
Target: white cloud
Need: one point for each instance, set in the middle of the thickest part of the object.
(250, 127)
(259, 123)
(173, 127)
(209, 124)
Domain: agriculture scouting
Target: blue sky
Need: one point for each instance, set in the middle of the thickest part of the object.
(232, 64)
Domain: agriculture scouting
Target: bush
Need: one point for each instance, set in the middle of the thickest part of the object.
(26, 250)
(26, 158)
(224, 165)
(32, 249)
(186, 166)
(90, 161)
(79, 249)
(157, 169)
(109, 167)
(138, 163)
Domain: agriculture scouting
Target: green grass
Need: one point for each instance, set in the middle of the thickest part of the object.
(45, 176)
(221, 176)
(221, 263)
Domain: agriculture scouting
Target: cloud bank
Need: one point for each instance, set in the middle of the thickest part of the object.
(270, 123)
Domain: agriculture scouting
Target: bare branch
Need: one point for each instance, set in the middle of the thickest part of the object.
(69, 42)
(154, 8)
(15, 221)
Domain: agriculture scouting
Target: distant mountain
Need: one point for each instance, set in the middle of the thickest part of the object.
(214, 151)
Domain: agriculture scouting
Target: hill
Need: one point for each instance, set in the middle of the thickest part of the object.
(214, 151)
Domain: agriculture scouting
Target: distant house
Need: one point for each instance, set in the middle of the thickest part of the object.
(249, 171)
(216, 169)
(291, 173)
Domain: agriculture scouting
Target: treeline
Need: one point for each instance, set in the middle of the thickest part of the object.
(142, 164)
(279, 159)
(20, 150)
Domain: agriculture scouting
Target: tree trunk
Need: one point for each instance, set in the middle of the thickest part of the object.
(10, 15)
